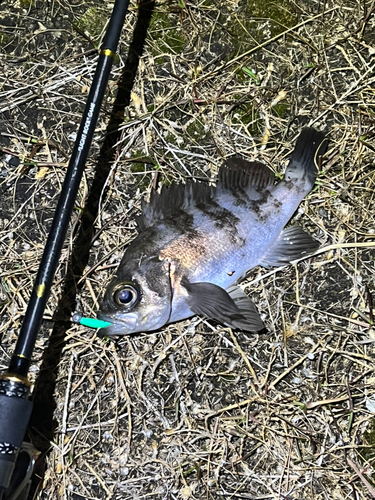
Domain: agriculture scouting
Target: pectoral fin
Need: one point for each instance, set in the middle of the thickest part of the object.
(251, 321)
(232, 308)
(293, 243)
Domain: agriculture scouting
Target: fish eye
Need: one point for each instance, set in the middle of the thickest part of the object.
(126, 295)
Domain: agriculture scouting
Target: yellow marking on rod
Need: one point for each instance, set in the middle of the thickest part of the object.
(15, 378)
(40, 290)
(108, 52)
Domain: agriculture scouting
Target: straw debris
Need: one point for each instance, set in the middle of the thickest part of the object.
(195, 411)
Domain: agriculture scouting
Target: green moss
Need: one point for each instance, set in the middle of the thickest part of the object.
(281, 109)
(248, 115)
(27, 3)
(164, 35)
(165, 181)
(207, 4)
(142, 181)
(146, 165)
(257, 21)
(196, 130)
(137, 167)
(368, 454)
(228, 378)
(93, 22)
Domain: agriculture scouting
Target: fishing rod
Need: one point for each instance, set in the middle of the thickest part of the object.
(15, 408)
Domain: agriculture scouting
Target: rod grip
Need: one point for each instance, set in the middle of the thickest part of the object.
(14, 417)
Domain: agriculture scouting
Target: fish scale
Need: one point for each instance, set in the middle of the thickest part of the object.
(196, 242)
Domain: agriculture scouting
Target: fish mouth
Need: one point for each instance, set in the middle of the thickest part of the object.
(118, 326)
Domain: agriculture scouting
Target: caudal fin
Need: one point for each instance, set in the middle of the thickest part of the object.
(303, 162)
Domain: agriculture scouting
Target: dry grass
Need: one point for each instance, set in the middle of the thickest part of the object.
(197, 411)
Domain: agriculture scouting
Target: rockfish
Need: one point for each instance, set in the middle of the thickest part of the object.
(197, 241)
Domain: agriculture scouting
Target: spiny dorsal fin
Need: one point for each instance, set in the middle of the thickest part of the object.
(172, 200)
(238, 173)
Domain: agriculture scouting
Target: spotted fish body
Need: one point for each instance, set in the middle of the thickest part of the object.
(196, 242)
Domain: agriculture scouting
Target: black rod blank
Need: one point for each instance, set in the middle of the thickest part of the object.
(21, 359)
(15, 408)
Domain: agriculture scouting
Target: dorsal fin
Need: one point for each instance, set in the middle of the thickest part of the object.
(235, 175)
(238, 173)
(172, 200)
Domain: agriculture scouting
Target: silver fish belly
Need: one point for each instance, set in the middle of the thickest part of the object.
(196, 242)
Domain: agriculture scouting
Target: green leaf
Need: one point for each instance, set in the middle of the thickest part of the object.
(253, 75)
